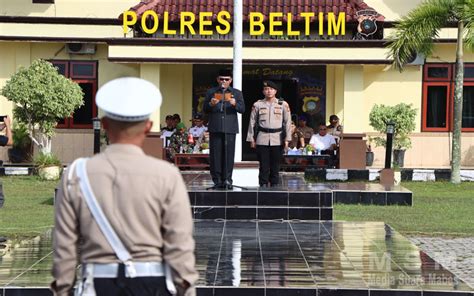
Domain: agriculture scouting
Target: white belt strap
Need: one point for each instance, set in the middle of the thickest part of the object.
(106, 228)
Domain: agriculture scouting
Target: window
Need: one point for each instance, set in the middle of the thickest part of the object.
(85, 74)
(438, 98)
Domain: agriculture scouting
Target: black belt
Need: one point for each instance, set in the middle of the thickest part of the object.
(269, 130)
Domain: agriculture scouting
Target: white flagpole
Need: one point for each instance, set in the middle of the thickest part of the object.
(237, 69)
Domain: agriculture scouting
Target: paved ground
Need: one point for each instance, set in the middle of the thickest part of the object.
(455, 254)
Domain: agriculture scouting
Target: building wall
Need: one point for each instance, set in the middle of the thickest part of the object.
(383, 85)
(393, 9)
(177, 90)
(352, 90)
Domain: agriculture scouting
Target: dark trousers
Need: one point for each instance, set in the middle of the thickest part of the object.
(139, 286)
(2, 197)
(221, 159)
(269, 158)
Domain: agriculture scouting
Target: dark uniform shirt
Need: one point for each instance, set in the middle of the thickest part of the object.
(223, 119)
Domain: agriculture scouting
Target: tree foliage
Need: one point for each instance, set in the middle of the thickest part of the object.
(42, 96)
(402, 115)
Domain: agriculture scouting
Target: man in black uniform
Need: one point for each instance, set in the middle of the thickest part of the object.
(222, 104)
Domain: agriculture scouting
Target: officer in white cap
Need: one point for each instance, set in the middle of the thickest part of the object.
(127, 213)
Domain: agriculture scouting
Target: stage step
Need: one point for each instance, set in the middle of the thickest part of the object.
(262, 205)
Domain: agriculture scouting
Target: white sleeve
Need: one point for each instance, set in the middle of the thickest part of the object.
(333, 141)
(312, 141)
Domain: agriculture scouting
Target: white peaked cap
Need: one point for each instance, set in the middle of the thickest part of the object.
(128, 99)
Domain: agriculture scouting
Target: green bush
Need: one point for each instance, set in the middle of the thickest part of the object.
(402, 115)
(43, 160)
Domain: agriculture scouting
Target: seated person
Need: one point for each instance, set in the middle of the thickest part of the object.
(334, 128)
(198, 127)
(176, 119)
(297, 138)
(322, 141)
(169, 124)
(303, 128)
(179, 141)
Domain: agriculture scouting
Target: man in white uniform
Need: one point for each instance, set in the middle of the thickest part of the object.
(198, 127)
(322, 141)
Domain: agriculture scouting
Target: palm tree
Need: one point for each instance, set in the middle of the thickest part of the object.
(416, 33)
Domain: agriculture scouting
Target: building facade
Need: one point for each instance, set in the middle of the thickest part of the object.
(319, 74)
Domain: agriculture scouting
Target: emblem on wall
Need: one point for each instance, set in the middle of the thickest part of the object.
(311, 105)
(367, 26)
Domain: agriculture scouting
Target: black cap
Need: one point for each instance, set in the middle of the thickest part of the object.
(269, 83)
(225, 72)
(197, 117)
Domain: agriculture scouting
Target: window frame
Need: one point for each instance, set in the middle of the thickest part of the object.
(75, 63)
(425, 128)
(434, 65)
(464, 129)
(69, 65)
(427, 81)
(94, 106)
(468, 79)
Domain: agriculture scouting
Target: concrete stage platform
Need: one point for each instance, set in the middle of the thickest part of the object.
(274, 258)
(290, 193)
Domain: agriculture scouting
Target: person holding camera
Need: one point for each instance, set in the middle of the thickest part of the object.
(5, 140)
(269, 130)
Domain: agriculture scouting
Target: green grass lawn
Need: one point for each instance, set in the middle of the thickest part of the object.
(440, 209)
(28, 208)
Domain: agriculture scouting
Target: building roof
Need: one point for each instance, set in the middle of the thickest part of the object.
(174, 7)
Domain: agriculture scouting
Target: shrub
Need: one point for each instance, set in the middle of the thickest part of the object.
(45, 160)
(402, 115)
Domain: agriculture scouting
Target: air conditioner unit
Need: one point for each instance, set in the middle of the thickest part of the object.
(417, 59)
(80, 48)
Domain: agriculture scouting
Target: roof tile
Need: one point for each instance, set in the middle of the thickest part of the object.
(174, 7)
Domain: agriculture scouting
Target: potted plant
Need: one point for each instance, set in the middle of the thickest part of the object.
(369, 154)
(42, 96)
(48, 166)
(403, 116)
(22, 147)
(205, 148)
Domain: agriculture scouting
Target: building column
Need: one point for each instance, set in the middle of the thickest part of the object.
(339, 92)
(151, 72)
(354, 105)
